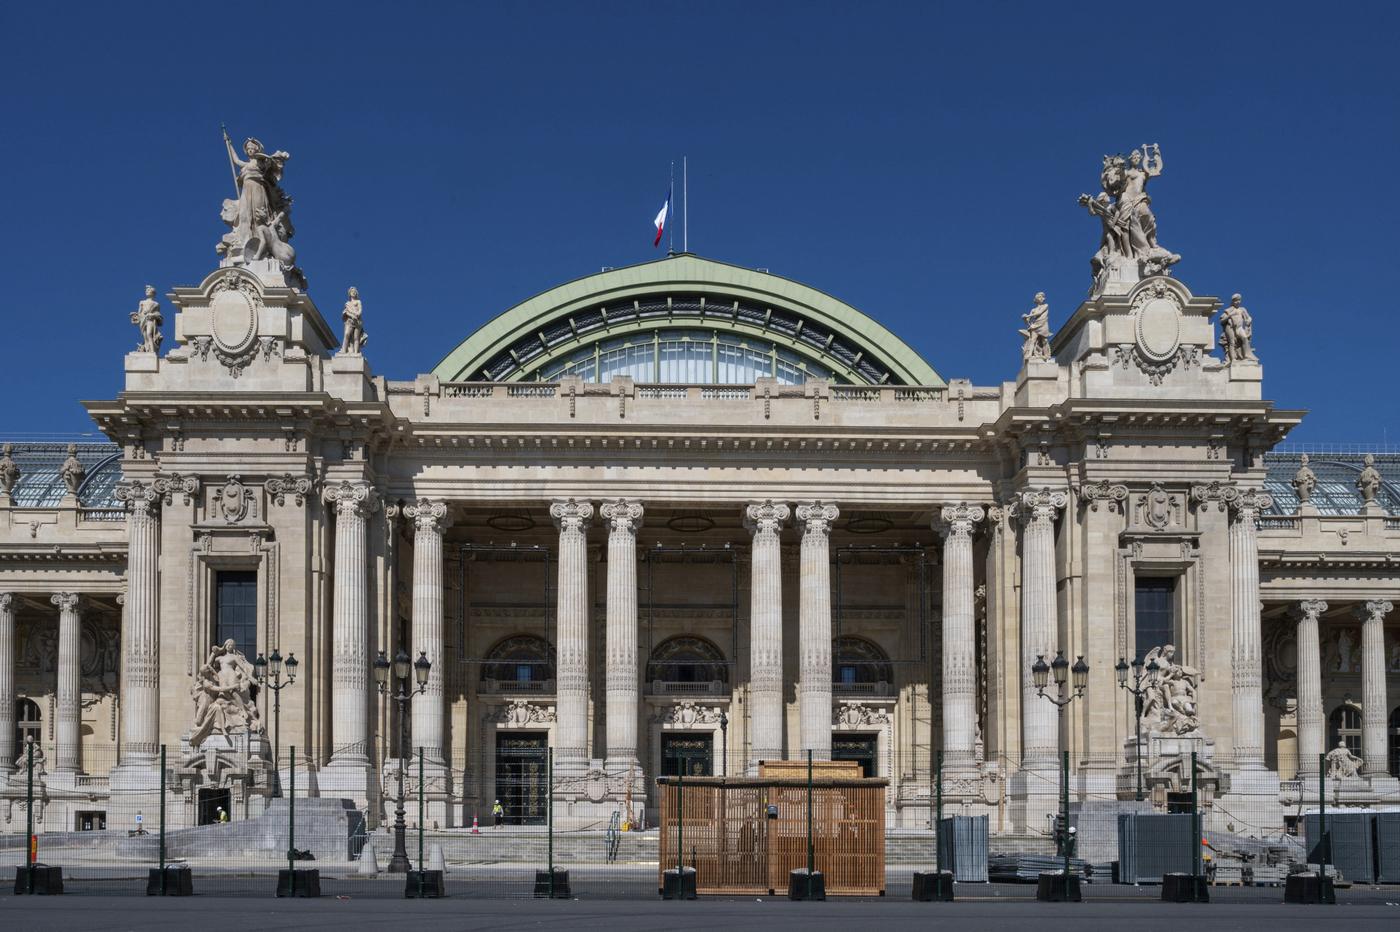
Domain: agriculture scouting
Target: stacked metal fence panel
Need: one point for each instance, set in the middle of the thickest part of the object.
(1387, 847)
(1352, 851)
(962, 847)
(1150, 846)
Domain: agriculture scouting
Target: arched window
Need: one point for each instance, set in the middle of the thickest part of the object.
(1344, 724)
(859, 666)
(1393, 731)
(685, 660)
(28, 721)
(523, 663)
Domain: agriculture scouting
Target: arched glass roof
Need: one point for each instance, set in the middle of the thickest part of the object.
(1336, 492)
(685, 319)
(41, 486)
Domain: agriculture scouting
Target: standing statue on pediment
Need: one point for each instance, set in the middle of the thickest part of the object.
(1304, 481)
(72, 471)
(1037, 331)
(353, 341)
(9, 470)
(148, 319)
(1237, 332)
(1369, 482)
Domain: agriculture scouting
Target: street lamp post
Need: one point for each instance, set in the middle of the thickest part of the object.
(724, 744)
(398, 864)
(1067, 690)
(268, 672)
(1138, 690)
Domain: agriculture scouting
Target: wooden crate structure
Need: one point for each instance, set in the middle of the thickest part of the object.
(722, 825)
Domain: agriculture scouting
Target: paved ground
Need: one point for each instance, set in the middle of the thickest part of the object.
(214, 914)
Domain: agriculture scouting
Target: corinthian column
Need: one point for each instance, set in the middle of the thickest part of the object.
(428, 709)
(765, 520)
(1246, 670)
(140, 676)
(1373, 699)
(1311, 745)
(957, 523)
(67, 724)
(354, 502)
(571, 700)
(814, 627)
(623, 517)
(7, 683)
(1039, 726)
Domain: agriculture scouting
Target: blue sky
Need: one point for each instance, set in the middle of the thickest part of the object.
(918, 160)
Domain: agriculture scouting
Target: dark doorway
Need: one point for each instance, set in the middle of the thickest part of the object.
(521, 776)
(91, 821)
(210, 801)
(688, 754)
(859, 748)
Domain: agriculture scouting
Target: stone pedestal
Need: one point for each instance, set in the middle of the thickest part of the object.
(349, 378)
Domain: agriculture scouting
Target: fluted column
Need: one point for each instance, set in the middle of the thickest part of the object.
(814, 627)
(68, 721)
(765, 520)
(1374, 704)
(623, 517)
(1246, 667)
(7, 683)
(354, 502)
(140, 674)
(1039, 616)
(957, 524)
(1311, 743)
(429, 708)
(571, 702)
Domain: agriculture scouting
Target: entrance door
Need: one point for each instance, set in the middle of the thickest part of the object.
(688, 754)
(521, 774)
(859, 748)
(210, 801)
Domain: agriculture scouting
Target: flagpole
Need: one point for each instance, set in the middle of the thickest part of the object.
(671, 233)
(685, 198)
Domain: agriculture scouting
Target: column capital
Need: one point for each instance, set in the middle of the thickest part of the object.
(428, 515)
(766, 517)
(623, 515)
(1374, 611)
(66, 601)
(958, 519)
(571, 515)
(352, 498)
(1094, 494)
(817, 517)
(138, 497)
(169, 485)
(7, 601)
(1040, 505)
(1310, 609)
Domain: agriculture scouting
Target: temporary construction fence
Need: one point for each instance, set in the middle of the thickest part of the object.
(220, 825)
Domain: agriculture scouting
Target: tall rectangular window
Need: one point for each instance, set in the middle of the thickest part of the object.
(236, 610)
(1155, 611)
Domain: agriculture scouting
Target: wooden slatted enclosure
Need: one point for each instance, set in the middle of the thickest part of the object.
(723, 830)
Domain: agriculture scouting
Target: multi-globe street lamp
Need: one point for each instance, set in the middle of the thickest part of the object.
(268, 672)
(1070, 683)
(401, 669)
(1138, 690)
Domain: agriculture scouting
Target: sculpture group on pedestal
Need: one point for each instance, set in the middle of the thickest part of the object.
(1342, 764)
(224, 691)
(1169, 705)
(1129, 241)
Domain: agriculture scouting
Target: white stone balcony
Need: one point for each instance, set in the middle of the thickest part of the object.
(491, 687)
(673, 688)
(877, 690)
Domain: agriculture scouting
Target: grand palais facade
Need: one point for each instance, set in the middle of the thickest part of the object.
(686, 516)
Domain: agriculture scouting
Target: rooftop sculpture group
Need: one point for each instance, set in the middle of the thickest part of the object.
(1128, 249)
(260, 216)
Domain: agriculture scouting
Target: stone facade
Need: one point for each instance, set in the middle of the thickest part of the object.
(759, 568)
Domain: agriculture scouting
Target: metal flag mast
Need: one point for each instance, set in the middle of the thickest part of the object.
(685, 202)
(670, 195)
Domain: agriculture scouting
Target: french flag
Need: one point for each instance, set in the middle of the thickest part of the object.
(660, 220)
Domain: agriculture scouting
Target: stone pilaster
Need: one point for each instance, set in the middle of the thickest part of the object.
(814, 627)
(957, 524)
(1246, 666)
(68, 720)
(1039, 629)
(1374, 704)
(571, 518)
(623, 517)
(765, 520)
(1311, 742)
(7, 683)
(140, 674)
(428, 710)
(353, 503)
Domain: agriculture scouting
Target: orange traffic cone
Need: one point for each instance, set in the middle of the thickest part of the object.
(476, 829)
